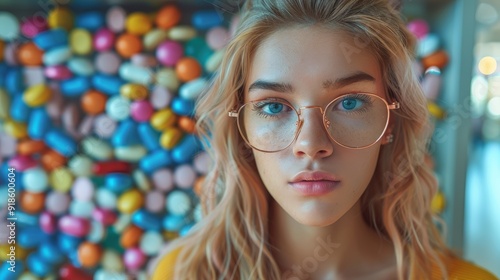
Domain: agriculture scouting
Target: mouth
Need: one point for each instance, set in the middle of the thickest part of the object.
(314, 183)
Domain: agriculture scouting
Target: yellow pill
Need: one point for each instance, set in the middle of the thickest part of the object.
(5, 250)
(61, 179)
(170, 137)
(2, 47)
(80, 41)
(163, 119)
(138, 23)
(436, 111)
(130, 201)
(15, 129)
(37, 95)
(61, 17)
(438, 203)
(181, 33)
(167, 77)
(153, 38)
(134, 91)
(28, 276)
(4, 104)
(170, 235)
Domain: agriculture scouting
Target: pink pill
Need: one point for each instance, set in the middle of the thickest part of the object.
(104, 126)
(10, 53)
(115, 19)
(21, 163)
(57, 202)
(30, 27)
(217, 38)
(107, 62)
(235, 21)
(33, 76)
(74, 226)
(163, 179)
(141, 111)
(8, 145)
(105, 216)
(145, 60)
(58, 72)
(104, 39)
(418, 27)
(202, 163)
(184, 176)
(160, 97)
(134, 258)
(48, 222)
(155, 201)
(82, 189)
(169, 52)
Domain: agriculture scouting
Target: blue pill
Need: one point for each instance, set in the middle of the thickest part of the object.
(19, 110)
(24, 219)
(182, 106)
(61, 142)
(186, 149)
(185, 229)
(75, 86)
(90, 20)
(73, 257)
(68, 243)
(31, 237)
(108, 84)
(50, 253)
(39, 124)
(38, 266)
(204, 20)
(118, 182)
(126, 134)
(3, 73)
(11, 270)
(146, 220)
(155, 160)
(199, 49)
(173, 222)
(14, 81)
(51, 38)
(149, 136)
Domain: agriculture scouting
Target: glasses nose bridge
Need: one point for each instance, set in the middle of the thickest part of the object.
(321, 110)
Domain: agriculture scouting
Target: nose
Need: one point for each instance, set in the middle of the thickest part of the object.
(312, 140)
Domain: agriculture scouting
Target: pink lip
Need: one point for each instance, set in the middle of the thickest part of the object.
(314, 182)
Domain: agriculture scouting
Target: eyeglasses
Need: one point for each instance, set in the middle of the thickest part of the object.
(355, 120)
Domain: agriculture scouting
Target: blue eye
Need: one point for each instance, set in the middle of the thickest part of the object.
(351, 103)
(274, 108)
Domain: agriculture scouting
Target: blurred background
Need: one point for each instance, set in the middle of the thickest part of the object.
(115, 224)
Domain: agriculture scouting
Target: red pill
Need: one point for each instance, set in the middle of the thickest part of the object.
(168, 16)
(188, 69)
(128, 44)
(105, 216)
(69, 272)
(113, 166)
(29, 54)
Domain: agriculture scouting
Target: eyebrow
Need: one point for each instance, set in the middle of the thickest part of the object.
(288, 88)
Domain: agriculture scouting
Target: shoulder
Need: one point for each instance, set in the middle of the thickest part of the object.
(460, 269)
(164, 269)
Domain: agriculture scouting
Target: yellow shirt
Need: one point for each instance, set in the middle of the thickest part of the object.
(458, 270)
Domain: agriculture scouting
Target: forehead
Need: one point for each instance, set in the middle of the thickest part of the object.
(307, 57)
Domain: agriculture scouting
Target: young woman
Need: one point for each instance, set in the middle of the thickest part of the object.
(317, 128)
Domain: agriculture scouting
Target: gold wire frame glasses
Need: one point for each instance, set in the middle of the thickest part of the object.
(354, 120)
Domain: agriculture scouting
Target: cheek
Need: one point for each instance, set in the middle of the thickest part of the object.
(268, 167)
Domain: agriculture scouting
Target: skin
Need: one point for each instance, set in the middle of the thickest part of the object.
(306, 57)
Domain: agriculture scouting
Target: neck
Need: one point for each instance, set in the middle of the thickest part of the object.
(345, 248)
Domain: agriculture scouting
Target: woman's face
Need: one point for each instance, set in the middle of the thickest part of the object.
(316, 65)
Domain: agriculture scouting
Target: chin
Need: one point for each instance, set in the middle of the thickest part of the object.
(314, 219)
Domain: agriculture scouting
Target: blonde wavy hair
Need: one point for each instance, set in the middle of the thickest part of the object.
(231, 241)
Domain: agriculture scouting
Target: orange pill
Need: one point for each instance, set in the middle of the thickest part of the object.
(52, 160)
(168, 16)
(30, 146)
(198, 185)
(89, 254)
(2, 47)
(31, 202)
(438, 59)
(130, 236)
(30, 55)
(188, 69)
(128, 44)
(187, 124)
(93, 102)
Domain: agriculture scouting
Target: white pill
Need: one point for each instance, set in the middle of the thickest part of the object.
(151, 243)
(181, 33)
(106, 199)
(97, 148)
(130, 153)
(184, 176)
(81, 66)
(118, 108)
(112, 261)
(81, 165)
(10, 26)
(214, 61)
(97, 232)
(136, 74)
(35, 180)
(81, 208)
(192, 89)
(57, 56)
(168, 78)
(178, 203)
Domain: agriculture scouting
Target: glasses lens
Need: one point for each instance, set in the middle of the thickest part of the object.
(268, 125)
(357, 120)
